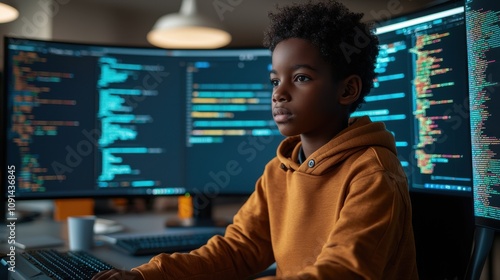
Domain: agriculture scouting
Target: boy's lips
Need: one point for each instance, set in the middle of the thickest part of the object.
(281, 114)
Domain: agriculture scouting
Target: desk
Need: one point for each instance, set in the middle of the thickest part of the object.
(134, 223)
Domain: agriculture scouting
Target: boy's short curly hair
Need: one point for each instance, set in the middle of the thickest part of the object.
(342, 39)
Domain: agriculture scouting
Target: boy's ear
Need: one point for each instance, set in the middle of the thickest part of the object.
(352, 90)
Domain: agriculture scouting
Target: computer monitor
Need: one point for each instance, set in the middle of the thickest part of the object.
(483, 29)
(89, 120)
(230, 131)
(483, 45)
(421, 95)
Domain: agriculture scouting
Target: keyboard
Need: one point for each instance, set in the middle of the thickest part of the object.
(165, 242)
(53, 264)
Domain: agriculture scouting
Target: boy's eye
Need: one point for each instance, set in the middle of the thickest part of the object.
(302, 78)
(275, 82)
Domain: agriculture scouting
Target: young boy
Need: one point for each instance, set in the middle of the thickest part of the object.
(334, 203)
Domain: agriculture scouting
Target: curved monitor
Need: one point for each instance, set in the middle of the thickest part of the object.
(83, 120)
(421, 95)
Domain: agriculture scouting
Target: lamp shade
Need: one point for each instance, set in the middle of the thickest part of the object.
(7, 12)
(188, 29)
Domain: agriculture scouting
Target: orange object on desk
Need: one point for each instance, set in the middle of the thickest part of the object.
(185, 207)
(72, 207)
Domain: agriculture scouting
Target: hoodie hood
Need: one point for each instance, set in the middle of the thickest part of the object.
(361, 134)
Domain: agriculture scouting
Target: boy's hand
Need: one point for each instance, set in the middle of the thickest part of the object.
(118, 274)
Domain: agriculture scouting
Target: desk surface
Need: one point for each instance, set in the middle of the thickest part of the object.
(133, 223)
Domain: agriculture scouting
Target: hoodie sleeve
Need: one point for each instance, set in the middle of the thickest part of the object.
(244, 250)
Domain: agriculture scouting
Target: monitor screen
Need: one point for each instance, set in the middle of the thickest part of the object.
(483, 30)
(421, 95)
(230, 131)
(83, 120)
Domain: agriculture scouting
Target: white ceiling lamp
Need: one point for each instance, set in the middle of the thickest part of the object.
(7, 12)
(188, 29)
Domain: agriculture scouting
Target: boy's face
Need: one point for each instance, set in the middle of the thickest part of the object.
(305, 94)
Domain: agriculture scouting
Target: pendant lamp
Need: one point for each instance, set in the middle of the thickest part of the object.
(188, 29)
(7, 12)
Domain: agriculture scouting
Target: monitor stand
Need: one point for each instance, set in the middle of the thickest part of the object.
(483, 241)
(201, 215)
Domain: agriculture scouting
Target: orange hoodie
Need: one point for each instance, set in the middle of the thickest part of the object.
(344, 213)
